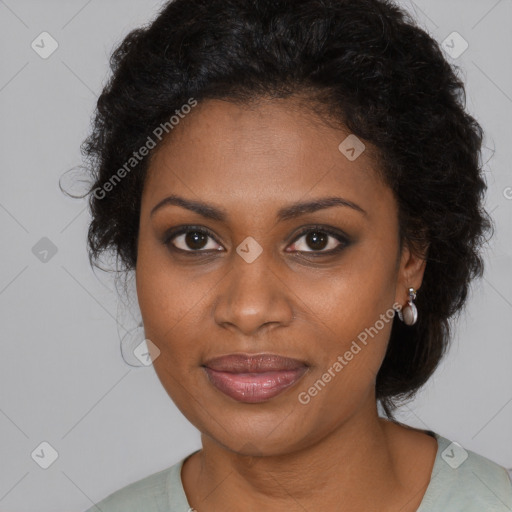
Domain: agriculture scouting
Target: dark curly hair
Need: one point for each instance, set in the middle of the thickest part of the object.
(362, 63)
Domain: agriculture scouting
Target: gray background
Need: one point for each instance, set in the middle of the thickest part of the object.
(62, 377)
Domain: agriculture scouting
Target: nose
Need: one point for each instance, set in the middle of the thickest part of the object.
(253, 297)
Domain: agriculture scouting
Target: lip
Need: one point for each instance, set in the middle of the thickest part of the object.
(253, 378)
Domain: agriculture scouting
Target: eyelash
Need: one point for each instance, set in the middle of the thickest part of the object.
(343, 239)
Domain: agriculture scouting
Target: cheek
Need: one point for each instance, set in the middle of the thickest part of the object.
(352, 316)
(170, 300)
(352, 296)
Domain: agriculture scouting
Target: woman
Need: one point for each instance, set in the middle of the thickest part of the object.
(296, 185)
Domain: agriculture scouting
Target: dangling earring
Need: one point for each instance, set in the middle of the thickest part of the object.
(409, 314)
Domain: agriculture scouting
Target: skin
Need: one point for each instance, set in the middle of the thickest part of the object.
(279, 454)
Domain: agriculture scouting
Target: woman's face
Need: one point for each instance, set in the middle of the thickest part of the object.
(259, 284)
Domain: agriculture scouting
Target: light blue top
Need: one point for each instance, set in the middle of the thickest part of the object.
(461, 481)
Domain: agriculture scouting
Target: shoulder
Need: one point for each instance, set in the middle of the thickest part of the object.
(464, 480)
(158, 492)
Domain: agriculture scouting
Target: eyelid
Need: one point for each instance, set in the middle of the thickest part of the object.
(343, 239)
(180, 230)
(323, 229)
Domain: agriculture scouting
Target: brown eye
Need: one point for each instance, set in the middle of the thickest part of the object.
(317, 240)
(195, 239)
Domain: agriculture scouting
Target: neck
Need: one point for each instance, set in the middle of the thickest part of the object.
(355, 464)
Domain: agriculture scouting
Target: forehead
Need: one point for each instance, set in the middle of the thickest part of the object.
(272, 150)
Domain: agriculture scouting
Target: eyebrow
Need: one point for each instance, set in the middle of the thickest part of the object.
(288, 212)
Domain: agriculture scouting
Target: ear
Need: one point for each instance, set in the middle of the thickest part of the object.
(410, 272)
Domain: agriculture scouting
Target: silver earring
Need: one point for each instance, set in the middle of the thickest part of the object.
(409, 314)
